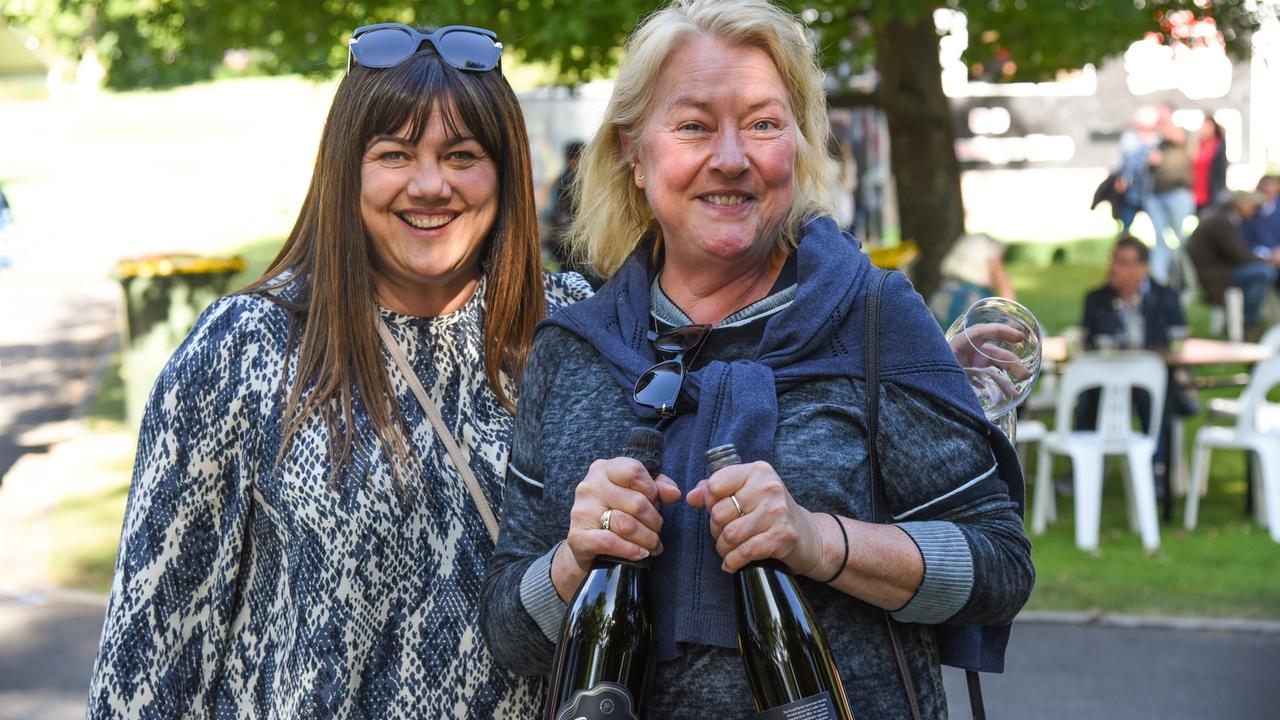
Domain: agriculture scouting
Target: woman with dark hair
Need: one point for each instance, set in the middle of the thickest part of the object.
(319, 465)
(1209, 168)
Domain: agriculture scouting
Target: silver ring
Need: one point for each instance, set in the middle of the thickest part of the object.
(605, 517)
(736, 504)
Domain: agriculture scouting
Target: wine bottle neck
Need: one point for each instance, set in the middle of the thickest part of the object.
(605, 562)
(768, 564)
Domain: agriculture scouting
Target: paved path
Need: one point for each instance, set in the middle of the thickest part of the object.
(1073, 672)
(47, 648)
(56, 333)
(1056, 670)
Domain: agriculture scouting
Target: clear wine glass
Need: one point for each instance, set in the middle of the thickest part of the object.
(997, 342)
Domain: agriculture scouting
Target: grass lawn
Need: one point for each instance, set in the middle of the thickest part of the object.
(86, 531)
(1227, 567)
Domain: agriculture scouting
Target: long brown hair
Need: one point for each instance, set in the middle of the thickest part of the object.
(325, 268)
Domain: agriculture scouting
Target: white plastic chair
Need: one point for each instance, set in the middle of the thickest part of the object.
(1029, 431)
(1116, 376)
(1261, 441)
(1220, 410)
(1228, 318)
(1227, 410)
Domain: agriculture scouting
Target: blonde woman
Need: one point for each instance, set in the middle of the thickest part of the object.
(704, 196)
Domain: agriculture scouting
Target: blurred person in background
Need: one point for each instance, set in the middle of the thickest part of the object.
(1132, 185)
(299, 541)
(562, 208)
(1262, 231)
(1222, 258)
(8, 232)
(1170, 202)
(1134, 311)
(972, 269)
(1131, 309)
(1209, 169)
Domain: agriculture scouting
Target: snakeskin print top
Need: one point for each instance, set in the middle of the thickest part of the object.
(251, 585)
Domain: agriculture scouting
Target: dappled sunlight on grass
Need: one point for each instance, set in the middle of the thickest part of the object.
(86, 534)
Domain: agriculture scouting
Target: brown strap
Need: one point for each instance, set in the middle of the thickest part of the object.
(433, 414)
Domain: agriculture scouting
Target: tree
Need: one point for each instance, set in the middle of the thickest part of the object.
(1042, 37)
(162, 42)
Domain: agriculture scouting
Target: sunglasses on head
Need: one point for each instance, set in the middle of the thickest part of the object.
(659, 387)
(386, 45)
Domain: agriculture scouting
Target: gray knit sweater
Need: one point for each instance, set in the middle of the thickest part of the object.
(977, 557)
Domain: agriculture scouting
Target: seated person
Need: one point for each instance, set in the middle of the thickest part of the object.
(1222, 259)
(972, 269)
(1262, 231)
(1131, 308)
(1135, 312)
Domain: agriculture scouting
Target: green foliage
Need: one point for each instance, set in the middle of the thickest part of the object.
(150, 43)
(1063, 34)
(157, 43)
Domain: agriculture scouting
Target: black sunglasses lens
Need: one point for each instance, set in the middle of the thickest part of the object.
(384, 47)
(468, 50)
(659, 387)
(680, 339)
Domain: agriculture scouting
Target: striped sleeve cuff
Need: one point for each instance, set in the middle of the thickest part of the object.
(948, 572)
(540, 599)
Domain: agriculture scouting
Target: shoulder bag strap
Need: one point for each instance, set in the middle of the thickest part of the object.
(433, 414)
(872, 368)
(877, 492)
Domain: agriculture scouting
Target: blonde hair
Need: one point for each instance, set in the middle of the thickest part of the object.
(613, 214)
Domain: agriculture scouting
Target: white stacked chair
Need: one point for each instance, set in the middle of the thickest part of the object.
(1227, 410)
(1254, 433)
(1029, 431)
(1116, 376)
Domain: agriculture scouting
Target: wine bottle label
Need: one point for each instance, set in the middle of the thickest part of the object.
(814, 707)
(603, 701)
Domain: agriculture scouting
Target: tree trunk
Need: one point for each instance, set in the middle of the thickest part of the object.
(922, 143)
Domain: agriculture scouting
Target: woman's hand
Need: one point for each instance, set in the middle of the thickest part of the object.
(979, 347)
(622, 492)
(754, 517)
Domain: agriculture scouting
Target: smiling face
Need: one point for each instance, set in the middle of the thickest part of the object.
(427, 208)
(717, 153)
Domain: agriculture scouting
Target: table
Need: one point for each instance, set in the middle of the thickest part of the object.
(1194, 352)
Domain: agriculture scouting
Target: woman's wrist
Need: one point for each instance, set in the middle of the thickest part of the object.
(832, 556)
(844, 550)
(566, 573)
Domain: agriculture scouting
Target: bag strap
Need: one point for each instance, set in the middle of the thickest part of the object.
(433, 414)
(872, 368)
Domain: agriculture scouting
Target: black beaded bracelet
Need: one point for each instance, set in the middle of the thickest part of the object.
(845, 560)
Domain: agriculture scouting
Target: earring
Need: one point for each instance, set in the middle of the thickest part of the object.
(639, 179)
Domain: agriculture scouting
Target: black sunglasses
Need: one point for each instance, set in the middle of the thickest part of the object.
(659, 386)
(388, 44)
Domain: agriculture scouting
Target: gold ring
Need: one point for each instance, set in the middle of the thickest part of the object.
(604, 518)
(736, 504)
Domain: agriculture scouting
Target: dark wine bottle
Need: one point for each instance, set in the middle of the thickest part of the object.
(789, 666)
(605, 656)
